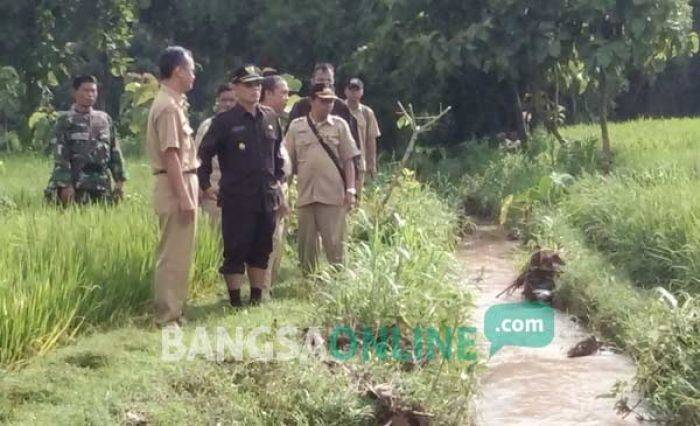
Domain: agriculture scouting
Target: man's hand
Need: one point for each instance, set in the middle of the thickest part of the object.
(284, 210)
(118, 191)
(350, 201)
(187, 210)
(212, 193)
(67, 194)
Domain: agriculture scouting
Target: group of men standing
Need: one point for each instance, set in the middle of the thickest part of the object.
(236, 167)
(245, 160)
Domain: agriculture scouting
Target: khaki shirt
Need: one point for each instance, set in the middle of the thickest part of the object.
(169, 127)
(215, 169)
(367, 128)
(318, 178)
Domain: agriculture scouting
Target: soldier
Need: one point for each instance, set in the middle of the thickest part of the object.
(324, 73)
(173, 157)
(322, 152)
(86, 151)
(246, 139)
(367, 128)
(225, 100)
(275, 94)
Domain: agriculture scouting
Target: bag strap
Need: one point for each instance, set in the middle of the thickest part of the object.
(326, 148)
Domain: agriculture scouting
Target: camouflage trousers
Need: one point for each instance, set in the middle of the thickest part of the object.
(82, 196)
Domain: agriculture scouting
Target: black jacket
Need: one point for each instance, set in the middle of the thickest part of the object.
(248, 150)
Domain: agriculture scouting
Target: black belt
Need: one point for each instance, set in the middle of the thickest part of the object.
(162, 172)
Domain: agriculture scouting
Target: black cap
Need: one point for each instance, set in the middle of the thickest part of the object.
(355, 83)
(246, 74)
(322, 91)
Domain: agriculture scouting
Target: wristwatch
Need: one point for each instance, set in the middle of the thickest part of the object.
(351, 191)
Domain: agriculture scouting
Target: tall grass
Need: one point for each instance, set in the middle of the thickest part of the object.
(623, 235)
(95, 268)
(62, 269)
(649, 144)
(663, 339)
(653, 231)
(399, 263)
(400, 272)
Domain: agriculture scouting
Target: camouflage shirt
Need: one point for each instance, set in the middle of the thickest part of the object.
(86, 152)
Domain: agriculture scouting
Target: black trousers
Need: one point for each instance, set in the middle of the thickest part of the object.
(247, 228)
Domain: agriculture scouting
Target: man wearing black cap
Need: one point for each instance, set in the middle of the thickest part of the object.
(367, 128)
(246, 139)
(322, 154)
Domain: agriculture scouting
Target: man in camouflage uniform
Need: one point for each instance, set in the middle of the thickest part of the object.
(86, 151)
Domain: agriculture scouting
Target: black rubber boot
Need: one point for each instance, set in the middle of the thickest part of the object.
(234, 297)
(255, 296)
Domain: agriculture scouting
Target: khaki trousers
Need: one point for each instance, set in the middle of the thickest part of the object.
(327, 221)
(359, 182)
(175, 252)
(273, 266)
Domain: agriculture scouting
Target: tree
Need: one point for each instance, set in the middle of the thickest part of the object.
(10, 95)
(614, 38)
(42, 41)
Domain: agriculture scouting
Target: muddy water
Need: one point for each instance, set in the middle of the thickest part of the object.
(536, 386)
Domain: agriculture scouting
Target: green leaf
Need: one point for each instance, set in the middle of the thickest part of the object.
(555, 49)
(403, 121)
(132, 87)
(293, 82)
(144, 97)
(505, 208)
(290, 103)
(51, 79)
(694, 41)
(36, 118)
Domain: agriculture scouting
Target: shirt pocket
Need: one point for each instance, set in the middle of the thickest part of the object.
(333, 142)
(186, 133)
(304, 148)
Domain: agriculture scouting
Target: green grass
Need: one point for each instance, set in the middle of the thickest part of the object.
(623, 236)
(649, 144)
(78, 346)
(663, 341)
(63, 269)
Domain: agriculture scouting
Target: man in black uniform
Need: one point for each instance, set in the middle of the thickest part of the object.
(246, 139)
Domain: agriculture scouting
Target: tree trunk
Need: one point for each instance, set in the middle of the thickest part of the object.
(518, 110)
(605, 136)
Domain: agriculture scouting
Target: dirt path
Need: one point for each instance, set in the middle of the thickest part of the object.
(526, 386)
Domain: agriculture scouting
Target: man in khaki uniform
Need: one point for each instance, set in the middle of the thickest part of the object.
(225, 100)
(275, 94)
(326, 177)
(173, 157)
(367, 128)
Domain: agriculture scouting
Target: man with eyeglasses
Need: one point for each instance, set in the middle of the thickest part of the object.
(246, 139)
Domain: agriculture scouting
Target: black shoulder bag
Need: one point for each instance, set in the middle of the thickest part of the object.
(328, 150)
